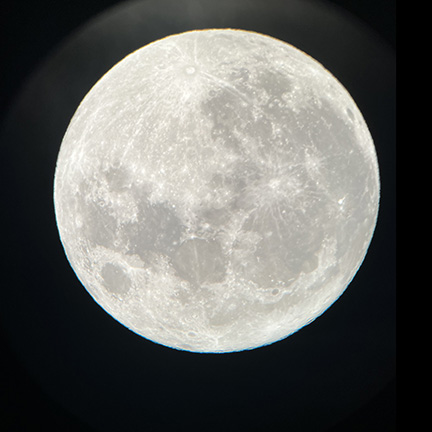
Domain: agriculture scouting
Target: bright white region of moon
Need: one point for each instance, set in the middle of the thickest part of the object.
(216, 190)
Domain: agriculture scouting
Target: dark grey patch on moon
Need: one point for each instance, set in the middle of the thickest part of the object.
(274, 83)
(200, 261)
(240, 76)
(115, 280)
(98, 226)
(117, 179)
(227, 313)
(282, 253)
(222, 108)
(158, 229)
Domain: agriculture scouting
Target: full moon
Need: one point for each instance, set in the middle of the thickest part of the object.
(216, 190)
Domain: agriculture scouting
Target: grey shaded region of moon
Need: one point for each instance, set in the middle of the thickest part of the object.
(216, 190)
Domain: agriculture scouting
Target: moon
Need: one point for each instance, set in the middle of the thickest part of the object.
(216, 190)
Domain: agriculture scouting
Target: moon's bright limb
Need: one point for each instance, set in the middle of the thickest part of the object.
(216, 190)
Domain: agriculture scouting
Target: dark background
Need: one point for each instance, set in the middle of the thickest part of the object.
(69, 366)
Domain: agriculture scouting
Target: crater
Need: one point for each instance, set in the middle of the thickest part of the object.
(115, 279)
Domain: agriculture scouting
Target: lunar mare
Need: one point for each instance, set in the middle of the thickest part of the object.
(216, 190)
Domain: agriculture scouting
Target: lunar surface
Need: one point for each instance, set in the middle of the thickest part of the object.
(216, 190)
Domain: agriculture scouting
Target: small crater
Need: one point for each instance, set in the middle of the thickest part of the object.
(190, 70)
(275, 292)
(78, 221)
